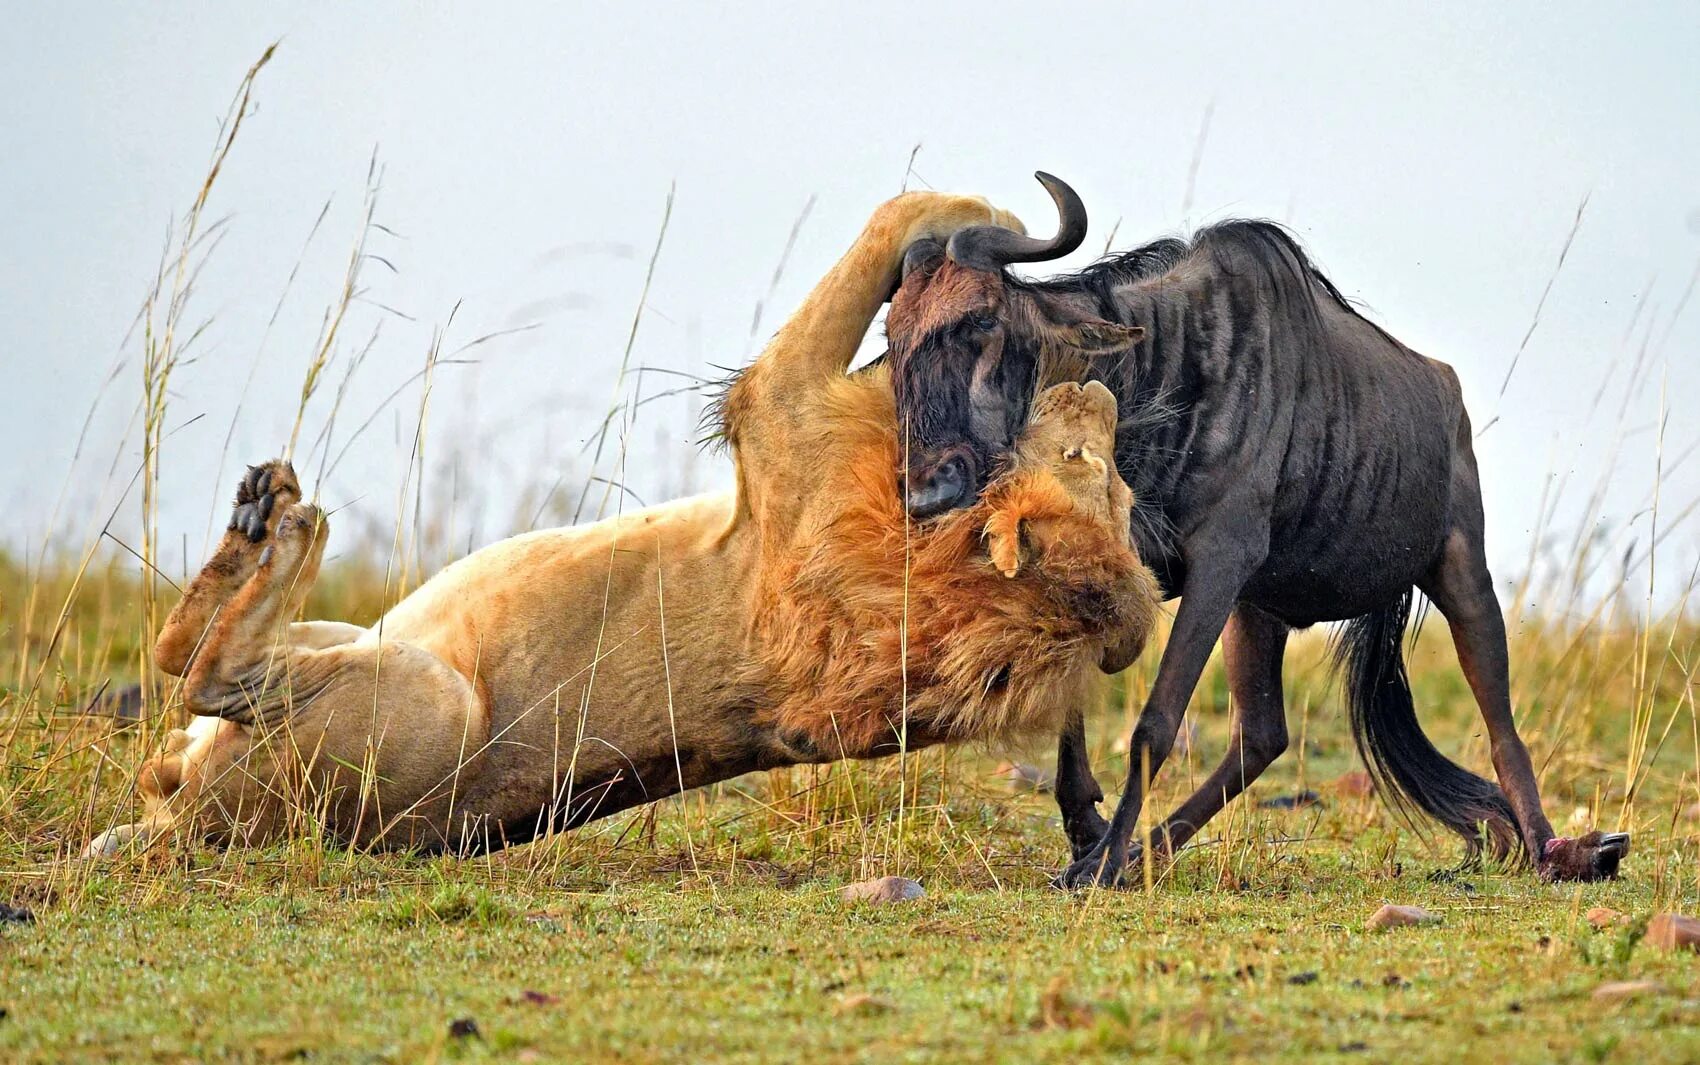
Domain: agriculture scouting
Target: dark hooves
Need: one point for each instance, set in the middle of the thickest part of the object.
(1595, 856)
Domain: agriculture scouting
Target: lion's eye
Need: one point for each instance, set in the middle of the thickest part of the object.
(983, 322)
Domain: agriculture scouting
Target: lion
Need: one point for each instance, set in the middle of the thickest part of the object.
(567, 674)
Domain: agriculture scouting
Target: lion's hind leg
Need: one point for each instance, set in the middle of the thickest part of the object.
(239, 671)
(170, 783)
(265, 492)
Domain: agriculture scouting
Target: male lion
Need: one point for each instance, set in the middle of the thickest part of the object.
(566, 674)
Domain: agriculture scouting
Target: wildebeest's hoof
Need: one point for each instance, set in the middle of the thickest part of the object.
(1085, 828)
(1098, 867)
(1594, 856)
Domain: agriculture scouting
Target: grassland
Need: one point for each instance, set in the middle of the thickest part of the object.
(710, 927)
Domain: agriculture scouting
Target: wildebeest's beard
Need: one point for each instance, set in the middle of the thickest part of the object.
(962, 377)
(969, 350)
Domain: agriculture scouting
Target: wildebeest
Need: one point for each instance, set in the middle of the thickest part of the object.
(1291, 462)
(567, 674)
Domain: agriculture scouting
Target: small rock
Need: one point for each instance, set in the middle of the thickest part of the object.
(1391, 916)
(861, 1004)
(885, 889)
(538, 998)
(1023, 777)
(1356, 785)
(1301, 979)
(1673, 931)
(1603, 917)
(16, 914)
(463, 1028)
(1291, 802)
(1624, 990)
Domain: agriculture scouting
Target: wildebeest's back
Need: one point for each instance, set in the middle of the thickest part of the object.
(1260, 395)
(1361, 507)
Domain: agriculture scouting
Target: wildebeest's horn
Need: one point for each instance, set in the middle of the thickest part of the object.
(993, 247)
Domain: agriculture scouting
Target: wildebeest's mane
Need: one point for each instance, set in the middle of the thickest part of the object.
(1230, 246)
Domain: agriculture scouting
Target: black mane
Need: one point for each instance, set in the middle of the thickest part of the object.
(1230, 246)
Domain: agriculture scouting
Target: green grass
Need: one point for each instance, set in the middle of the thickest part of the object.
(710, 927)
(371, 962)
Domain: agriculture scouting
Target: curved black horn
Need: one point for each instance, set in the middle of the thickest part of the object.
(993, 247)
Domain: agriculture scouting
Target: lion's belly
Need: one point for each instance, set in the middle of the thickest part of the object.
(599, 647)
(548, 587)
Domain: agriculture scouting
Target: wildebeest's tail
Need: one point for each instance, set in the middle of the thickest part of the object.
(1408, 771)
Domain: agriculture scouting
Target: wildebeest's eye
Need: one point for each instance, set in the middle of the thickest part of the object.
(983, 321)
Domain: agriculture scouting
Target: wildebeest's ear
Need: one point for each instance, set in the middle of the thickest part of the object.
(1095, 337)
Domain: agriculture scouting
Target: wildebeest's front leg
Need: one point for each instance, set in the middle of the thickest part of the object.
(1252, 645)
(1078, 793)
(1218, 565)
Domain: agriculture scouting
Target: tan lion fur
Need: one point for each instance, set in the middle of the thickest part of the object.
(565, 674)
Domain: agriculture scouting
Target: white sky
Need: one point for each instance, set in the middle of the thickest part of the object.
(1432, 163)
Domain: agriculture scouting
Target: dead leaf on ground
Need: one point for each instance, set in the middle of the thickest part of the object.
(1059, 1009)
(1356, 784)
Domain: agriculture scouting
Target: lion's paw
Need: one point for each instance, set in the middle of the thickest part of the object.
(264, 490)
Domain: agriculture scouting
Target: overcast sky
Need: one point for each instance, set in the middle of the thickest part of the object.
(1433, 163)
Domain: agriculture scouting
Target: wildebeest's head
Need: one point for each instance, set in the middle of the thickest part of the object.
(969, 347)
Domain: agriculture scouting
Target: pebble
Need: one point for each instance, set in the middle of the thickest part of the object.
(861, 1004)
(1673, 931)
(885, 889)
(1604, 917)
(1391, 916)
(1624, 990)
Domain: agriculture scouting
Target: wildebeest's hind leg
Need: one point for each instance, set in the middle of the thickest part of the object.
(1460, 585)
(1253, 645)
(1078, 793)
